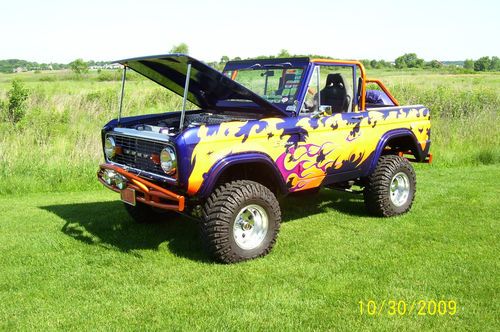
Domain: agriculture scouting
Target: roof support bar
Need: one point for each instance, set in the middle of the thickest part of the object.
(124, 76)
(186, 90)
(318, 80)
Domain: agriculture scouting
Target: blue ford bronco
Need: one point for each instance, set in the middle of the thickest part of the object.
(259, 130)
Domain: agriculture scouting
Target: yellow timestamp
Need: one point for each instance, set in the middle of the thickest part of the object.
(406, 308)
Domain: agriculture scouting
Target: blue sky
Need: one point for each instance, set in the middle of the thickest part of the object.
(61, 31)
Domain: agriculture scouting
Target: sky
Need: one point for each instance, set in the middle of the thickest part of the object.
(61, 31)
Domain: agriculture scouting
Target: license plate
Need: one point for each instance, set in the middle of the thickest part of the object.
(128, 196)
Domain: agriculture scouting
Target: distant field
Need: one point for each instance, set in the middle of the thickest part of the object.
(57, 146)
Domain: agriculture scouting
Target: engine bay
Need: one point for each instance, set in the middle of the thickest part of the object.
(170, 126)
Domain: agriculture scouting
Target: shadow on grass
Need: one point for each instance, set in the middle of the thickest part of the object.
(107, 224)
(301, 205)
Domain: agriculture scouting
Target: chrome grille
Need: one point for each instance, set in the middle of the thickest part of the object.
(137, 152)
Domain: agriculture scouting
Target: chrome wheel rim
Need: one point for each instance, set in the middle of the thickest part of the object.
(250, 227)
(400, 189)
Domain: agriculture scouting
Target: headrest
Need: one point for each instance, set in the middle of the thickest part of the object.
(335, 79)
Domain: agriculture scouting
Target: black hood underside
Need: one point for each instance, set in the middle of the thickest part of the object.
(207, 86)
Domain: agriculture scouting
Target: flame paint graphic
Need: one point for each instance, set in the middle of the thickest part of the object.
(304, 161)
(332, 144)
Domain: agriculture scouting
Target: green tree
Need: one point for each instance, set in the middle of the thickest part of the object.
(482, 64)
(181, 48)
(365, 62)
(284, 54)
(374, 63)
(469, 64)
(434, 64)
(79, 66)
(224, 59)
(15, 107)
(409, 60)
(383, 64)
(494, 64)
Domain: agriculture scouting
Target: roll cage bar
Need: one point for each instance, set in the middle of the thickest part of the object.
(364, 79)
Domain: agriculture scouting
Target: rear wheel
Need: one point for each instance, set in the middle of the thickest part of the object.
(241, 220)
(391, 187)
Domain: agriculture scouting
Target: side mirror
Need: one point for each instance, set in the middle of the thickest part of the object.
(268, 73)
(322, 111)
(327, 109)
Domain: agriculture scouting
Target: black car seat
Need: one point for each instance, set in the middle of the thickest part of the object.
(334, 93)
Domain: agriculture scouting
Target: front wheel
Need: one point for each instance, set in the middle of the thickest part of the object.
(391, 187)
(241, 220)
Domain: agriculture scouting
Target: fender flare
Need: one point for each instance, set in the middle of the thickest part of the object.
(223, 164)
(395, 133)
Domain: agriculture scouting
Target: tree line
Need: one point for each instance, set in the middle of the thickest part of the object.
(411, 60)
(408, 60)
(14, 65)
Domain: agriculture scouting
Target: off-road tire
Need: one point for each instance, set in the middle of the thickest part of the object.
(377, 190)
(145, 214)
(219, 216)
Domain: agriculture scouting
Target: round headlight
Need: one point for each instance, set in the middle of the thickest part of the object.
(168, 160)
(109, 147)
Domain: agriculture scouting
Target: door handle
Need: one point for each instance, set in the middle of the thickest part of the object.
(357, 117)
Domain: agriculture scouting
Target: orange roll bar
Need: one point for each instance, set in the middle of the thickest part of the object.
(383, 87)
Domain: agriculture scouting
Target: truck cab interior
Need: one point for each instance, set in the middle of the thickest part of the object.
(330, 87)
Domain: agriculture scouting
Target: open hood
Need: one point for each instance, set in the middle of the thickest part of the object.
(207, 86)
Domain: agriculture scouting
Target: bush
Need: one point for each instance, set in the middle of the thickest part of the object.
(79, 66)
(3, 110)
(48, 78)
(15, 108)
(181, 48)
(107, 75)
(409, 60)
(469, 64)
(482, 64)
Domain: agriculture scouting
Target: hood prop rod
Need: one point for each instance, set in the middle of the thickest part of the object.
(184, 99)
(124, 75)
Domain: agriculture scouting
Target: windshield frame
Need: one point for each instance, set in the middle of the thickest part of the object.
(267, 82)
(269, 64)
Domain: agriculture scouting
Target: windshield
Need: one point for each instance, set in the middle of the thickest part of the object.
(276, 85)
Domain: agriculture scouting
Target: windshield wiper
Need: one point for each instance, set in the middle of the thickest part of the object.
(255, 66)
(271, 65)
(280, 65)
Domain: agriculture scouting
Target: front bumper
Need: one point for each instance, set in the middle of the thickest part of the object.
(146, 192)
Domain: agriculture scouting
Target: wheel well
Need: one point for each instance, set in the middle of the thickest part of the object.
(401, 144)
(254, 171)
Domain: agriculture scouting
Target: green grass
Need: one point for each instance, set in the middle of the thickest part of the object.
(76, 261)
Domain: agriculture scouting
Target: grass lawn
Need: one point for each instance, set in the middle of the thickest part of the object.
(76, 261)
